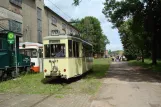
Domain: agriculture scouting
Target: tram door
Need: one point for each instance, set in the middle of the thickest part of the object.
(41, 59)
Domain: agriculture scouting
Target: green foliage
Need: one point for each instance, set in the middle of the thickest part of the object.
(76, 2)
(91, 31)
(118, 52)
(147, 65)
(133, 42)
(138, 23)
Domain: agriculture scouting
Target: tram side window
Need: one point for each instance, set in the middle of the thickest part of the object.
(84, 51)
(87, 51)
(40, 53)
(1, 44)
(76, 49)
(34, 53)
(90, 53)
(47, 51)
(70, 48)
(27, 53)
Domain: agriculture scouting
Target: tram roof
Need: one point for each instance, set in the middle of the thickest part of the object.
(65, 37)
(30, 43)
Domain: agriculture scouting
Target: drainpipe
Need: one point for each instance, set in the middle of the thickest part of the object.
(48, 23)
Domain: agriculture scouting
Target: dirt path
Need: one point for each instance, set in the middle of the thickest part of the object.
(127, 86)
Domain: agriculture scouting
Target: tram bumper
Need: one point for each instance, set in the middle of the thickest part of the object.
(54, 73)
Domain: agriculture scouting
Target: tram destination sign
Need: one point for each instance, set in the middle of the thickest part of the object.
(54, 41)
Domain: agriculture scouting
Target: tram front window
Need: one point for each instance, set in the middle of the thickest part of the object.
(54, 50)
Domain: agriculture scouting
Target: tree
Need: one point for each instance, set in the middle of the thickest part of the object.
(145, 26)
(153, 24)
(91, 31)
(76, 2)
(133, 42)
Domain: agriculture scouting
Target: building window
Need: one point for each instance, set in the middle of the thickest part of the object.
(54, 21)
(39, 36)
(55, 32)
(71, 31)
(39, 13)
(39, 25)
(63, 26)
(15, 26)
(17, 2)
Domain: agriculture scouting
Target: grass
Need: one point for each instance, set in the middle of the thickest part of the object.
(32, 83)
(147, 64)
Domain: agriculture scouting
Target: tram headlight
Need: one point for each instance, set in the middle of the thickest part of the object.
(64, 70)
(45, 70)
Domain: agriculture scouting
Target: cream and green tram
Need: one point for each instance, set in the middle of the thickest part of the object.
(66, 56)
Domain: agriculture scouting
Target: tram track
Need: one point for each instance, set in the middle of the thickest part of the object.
(35, 104)
(45, 98)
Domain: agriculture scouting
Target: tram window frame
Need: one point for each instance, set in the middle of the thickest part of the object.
(47, 48)
(1, 44)
(40, 52)
(87, 50)
(29, 52)
(70, 50)
(59, 51)
(75, 49)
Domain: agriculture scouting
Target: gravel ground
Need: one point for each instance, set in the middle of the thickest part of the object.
(127, 86)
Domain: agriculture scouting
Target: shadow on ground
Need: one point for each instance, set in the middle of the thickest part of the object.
(58, 80)
(123, 72)
(98, 72)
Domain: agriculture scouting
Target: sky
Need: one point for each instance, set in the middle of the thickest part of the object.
(65, 9)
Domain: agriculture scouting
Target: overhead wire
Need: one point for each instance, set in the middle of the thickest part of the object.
(60, 9)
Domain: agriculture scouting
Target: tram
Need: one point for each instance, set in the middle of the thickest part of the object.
(11, 61)
(66, 56)
(34, 51)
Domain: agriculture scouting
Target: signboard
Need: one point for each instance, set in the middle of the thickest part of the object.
(11, 38)
(9, 14)
(15, 26)
(54, 41)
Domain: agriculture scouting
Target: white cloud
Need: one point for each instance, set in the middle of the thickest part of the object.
(88, 8)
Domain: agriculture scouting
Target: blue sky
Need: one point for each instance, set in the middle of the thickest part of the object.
(87, 8)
